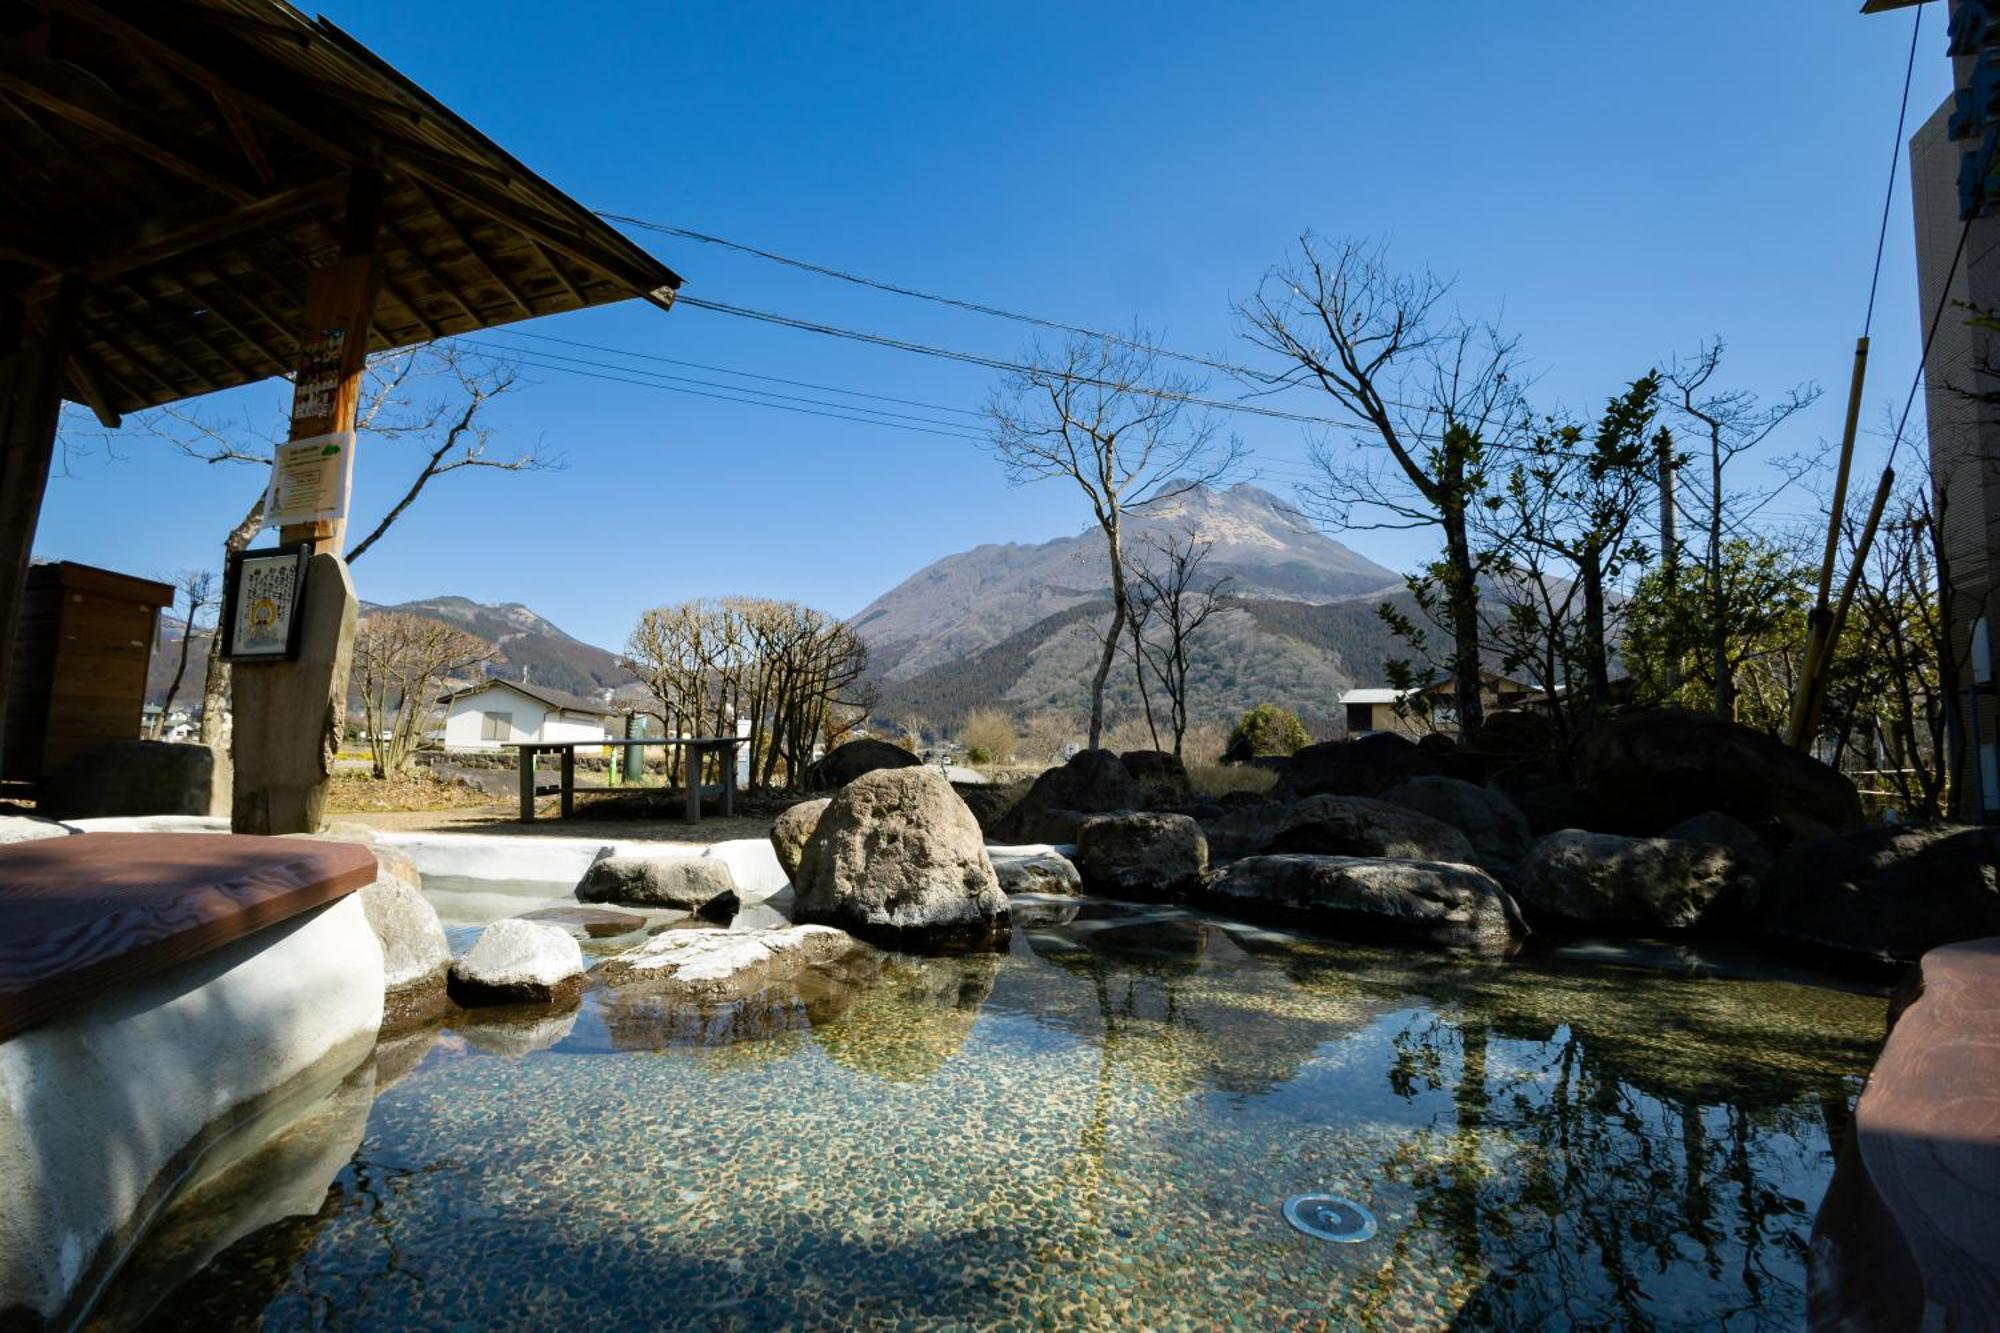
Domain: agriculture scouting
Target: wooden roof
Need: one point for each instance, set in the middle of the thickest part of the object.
(195, 160)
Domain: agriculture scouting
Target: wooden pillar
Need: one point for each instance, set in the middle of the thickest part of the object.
(32, 371)
(289, 716)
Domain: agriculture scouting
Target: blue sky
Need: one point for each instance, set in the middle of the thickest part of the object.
(1615, 182)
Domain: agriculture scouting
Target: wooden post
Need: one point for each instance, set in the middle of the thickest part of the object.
(527, 767)
(691, 770)
(289, 716)
(568, 781)
(32, 371)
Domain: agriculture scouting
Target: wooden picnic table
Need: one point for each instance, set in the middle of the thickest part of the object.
(698, 748)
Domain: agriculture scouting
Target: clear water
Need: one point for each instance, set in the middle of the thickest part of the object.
(1098, 1129)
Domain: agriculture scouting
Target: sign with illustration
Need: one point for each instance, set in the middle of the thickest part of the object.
(261, 596)
(310, 480)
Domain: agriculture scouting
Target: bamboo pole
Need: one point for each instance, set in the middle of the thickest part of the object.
(1820, 631)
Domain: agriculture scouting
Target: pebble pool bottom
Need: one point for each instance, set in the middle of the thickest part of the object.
(1099, 1128)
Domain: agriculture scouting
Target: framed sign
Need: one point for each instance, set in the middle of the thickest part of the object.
(262, 592)
(310, 480)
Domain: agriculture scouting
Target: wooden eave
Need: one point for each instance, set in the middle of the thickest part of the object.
(191, 161)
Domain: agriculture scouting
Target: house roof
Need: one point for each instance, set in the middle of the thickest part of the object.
(193, 162)
(562, 699)
(1371, 696)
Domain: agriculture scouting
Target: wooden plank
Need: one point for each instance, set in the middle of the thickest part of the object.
(81, 916)
(77, 98)
(527, 770)
(568, 781)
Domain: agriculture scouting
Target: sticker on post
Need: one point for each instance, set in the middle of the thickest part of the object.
(310, 480)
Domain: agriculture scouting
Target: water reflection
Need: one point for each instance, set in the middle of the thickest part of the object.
(1096, 1129)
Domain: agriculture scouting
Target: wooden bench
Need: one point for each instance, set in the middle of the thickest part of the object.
(82, 915)
(697, 749)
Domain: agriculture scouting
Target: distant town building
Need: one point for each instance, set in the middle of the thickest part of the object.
(499, 713)
(1377, 708)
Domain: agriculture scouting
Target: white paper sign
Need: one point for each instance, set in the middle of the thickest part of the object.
(310, 480)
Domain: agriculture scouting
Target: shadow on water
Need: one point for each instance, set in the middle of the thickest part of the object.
(1097, 1128)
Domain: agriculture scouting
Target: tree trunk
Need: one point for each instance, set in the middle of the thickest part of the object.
(215, 684)
(1112, 636)
(180, 670)
(1718, 601)
(1462, 611)
(1596, 660)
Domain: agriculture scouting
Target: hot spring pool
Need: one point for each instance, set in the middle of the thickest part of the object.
(1099, 1128)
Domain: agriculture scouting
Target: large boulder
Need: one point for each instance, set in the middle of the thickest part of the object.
(415, 955)
(1655, 768)
(1494, 825)
(699, 884)
(1754, 856)
(713, 964)
(1034, 871)
(136, 778)
(851, 759)
(1429, 903)
(1093, 782)
(1554, 806)
(899, 860)
(1885, 894)
(1143, 856)
(1366, 766)
(1244, 829)
(1358, 826)
(519, 962)
(790, 830)
(1162, 778)
(1604, 879)
(989, 802)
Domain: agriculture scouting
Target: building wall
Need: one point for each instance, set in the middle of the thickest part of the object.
(532, 721)
(1964, 437)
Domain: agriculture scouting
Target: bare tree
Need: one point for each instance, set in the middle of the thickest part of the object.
(436, 397)
(1434, 393)
(1107, 416)
(1174, 600)
(1727, 423)
(401, 661)
(197, 588)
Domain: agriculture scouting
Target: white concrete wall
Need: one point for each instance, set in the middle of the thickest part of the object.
(573, 727)
(104, 1110)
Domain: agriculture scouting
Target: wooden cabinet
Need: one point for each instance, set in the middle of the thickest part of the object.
(79, 665)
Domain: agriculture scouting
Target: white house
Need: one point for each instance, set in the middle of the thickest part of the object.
(497, 713)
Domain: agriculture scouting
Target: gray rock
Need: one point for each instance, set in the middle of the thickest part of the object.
(790, 830)
(136, 778)
(1885, 895)
(1143, 856)
(990, 803)
(1093, 782)
(1367, 766)
(1603, 879)
(701, 884)
(415, 954)
(716, 965)
(1036, 872)
(846, 762)
(1162, 778)
(1244, 829)
(519, 962)
(1655, 768)
(1430, 903)
(30, 828)
(898, 859)
(1494, 825)
(1754, 856)
(1361, 826)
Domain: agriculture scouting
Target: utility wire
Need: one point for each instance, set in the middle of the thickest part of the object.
(1895, 160)
(898, 289)
(1923, 358)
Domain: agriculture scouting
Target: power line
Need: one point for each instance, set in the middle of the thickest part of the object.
(1923, 358)
(898, 289)
(1895, 160)
(995, 363)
